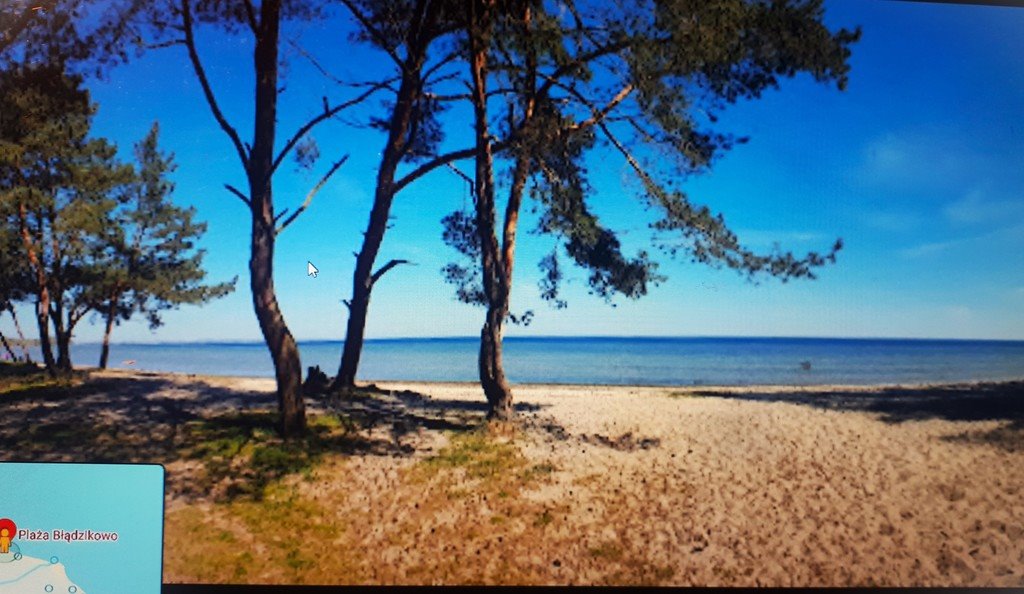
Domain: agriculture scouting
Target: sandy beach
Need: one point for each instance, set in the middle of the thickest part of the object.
(775, 486)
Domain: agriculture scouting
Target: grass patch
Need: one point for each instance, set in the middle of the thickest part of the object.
(280, 538)
(479, 454)
(607, 550)
(537, 471)
(544, 518)
(493, 464)
(38, 441)
(242, 454)
(198, 550)
(26, 379)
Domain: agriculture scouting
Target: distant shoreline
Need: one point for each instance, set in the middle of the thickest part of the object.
(555, 338)
(722, 388)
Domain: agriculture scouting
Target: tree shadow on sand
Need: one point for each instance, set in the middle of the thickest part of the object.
(216, 442)
(412, 408)
(995, 401)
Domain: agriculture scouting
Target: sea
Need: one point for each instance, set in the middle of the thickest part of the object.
(610, 360)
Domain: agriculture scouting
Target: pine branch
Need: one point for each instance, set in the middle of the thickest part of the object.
(602, 113)
(440, 64)
(465, 177)
(383, 269)
(579, 62)
(323, 71)
(163, 44)
(444, 159)
(328, 112)
(377, 36)
(250, 15)
(211, 99)
(311, 194)
(240, 195)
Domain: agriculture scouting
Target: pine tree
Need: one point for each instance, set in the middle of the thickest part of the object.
(151, 263)
(644, 80)
(85, 232)
(57, 189)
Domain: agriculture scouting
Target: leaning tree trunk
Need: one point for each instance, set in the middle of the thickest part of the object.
(499, 267)
(358, 308)
(105, 349)
(492, 367)
(363, 279)
(283, 350)
(42, 290)
(362, 285)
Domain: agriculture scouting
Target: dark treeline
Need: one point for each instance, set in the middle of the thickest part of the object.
(541, 84)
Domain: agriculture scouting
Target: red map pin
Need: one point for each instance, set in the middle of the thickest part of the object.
(10, 526)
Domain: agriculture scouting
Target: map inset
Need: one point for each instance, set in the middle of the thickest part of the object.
(29, 574)
(105, 534)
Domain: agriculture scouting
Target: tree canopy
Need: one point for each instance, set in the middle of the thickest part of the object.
(86, 230)
(151, 263)
(645, 80)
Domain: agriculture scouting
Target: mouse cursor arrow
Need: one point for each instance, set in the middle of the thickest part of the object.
(311, 270)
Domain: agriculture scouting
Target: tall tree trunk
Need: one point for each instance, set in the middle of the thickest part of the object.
(42, 291)
(492, 366)
(64, 366)
(363, 279)
(492, 373)
(43, 323)
(111, 316)
(21, 335)
(283, 350)
(358, 308)
(62, 334)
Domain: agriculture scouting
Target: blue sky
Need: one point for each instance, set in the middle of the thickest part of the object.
(918, 166)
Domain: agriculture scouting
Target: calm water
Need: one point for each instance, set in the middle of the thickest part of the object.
(651, 361)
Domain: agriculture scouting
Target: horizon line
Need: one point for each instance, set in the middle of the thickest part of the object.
(258, 341)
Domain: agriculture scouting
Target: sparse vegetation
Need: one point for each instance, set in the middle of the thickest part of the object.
(17, 378)
(479, 454)
(281, 538)
(242, 454)
(608, 550)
